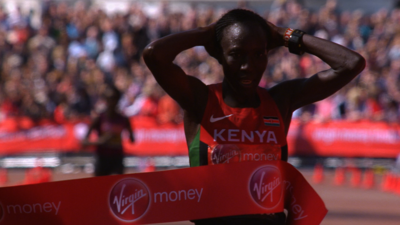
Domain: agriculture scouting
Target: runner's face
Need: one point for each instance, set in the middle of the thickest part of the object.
(244, 49)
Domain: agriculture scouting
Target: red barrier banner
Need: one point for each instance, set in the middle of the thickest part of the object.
(336, 138)
(166, 196)
(43, 139)
(344, 139)
(156, 139)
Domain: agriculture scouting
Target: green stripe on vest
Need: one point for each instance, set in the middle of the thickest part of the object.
(194, 151)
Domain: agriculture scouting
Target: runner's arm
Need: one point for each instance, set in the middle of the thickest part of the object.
(345, 65)
(95, 123)
(101, 139)
(188, 91)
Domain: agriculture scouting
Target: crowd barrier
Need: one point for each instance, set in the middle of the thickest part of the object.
(344, 139)
(329, 139)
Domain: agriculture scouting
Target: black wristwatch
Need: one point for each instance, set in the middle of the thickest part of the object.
(295, 42)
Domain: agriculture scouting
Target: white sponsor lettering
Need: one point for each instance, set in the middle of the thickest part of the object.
(123, 202)
(46, 207)
(159, 135)
(296, 208)
(265, 190)
(260, 157)
(181, 195)
(36, 133)
(330, 135)
(236, 135)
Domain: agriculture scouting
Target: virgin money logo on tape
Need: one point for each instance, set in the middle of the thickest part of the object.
(129, 200)
(225, 153)
(265, 187)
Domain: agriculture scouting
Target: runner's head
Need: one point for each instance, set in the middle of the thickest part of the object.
(242, 38)
(112, 96)
(239, 16)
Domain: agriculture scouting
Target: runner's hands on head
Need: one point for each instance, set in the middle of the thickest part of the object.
(211, 44)
(276, 38)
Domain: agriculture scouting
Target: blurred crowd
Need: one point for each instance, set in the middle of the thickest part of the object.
(58, 71)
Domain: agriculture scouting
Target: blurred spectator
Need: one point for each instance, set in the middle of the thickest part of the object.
(109, 125)
(41, 40)
(59, 70)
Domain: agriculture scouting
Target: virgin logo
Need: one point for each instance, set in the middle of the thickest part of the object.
(265, 187)
(129, 200)
(225, 153)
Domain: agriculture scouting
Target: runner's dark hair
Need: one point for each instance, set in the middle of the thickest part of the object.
(238, 16)
(112, 92)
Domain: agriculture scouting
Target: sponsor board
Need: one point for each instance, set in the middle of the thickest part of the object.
(334, 138)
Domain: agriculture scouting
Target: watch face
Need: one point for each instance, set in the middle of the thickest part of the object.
(295, 43)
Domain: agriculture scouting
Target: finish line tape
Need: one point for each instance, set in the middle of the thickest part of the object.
(166, 196)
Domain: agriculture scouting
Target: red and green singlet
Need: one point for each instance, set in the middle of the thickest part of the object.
(238, 134)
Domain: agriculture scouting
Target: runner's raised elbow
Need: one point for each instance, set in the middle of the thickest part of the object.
(156, 54)
(355, 64)
(149, 53)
